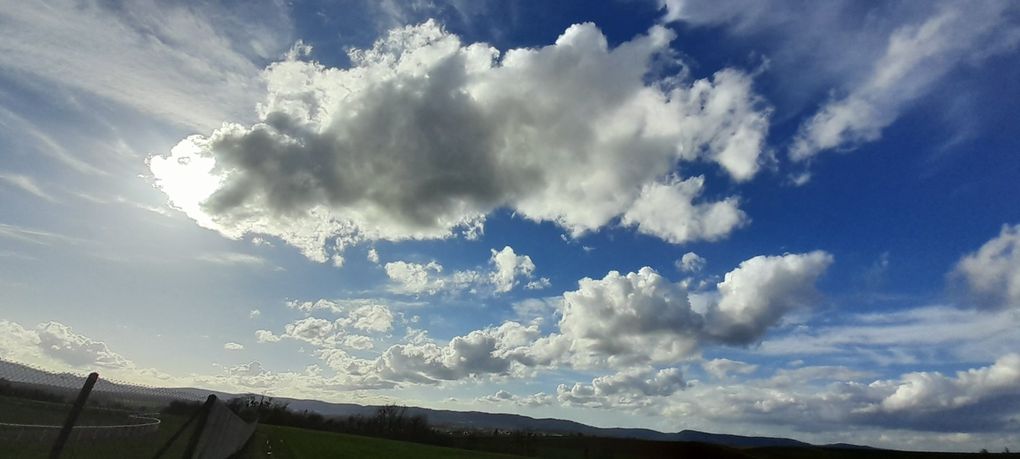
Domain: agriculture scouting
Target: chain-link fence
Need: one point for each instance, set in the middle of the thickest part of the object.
(46, 415)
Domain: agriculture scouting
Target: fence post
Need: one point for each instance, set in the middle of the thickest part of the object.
(189, 452)
(79, 403)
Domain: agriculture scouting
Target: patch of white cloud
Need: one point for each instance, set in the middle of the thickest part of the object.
(501, 350)
(423, 136)
(372, 318)
(874, 60)
(992, 273)
(191, 65)
(508, 267)
(639, 386)
(266, 336)
(916, 56)
(373, 256)
(415, 278)
(643, 317)
(26, 184)
(757, 294)
(232, 346)
(538, 284)
(53, 343)
(232, 259)
(904, 337)
(724, 368)
(507, 271)
(354, 317)
(691, 262)
(531, 401)
(667, 211)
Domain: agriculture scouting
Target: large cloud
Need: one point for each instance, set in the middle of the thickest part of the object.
(424, 136)
(55, 343)
(992, 273)
(643, 317)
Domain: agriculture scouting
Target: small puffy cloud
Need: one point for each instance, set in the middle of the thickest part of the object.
(507, 270)
(760, 291)
(992, 273)
(375, 318)
(667, 211)
(233, 346)
(310, 329)
(365, 315)
(626, 388)
(415, 278)
(507, 267)
(486, 352)
(254, 314)
(690, 262)
(266, 336)
(423, 136)
(355, 316)
(309, 307)
(358, 342)
(373, 256)
(538, 284)
(723, 368)
(531, 401)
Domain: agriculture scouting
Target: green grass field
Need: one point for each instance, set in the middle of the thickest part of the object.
(278, 442)
(22, 411)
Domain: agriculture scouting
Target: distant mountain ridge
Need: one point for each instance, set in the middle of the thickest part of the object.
(440, 418)
(504, 421)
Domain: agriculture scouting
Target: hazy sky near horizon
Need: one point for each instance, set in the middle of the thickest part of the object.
(772, 218)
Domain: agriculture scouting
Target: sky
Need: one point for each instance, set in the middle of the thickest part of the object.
(771, 218)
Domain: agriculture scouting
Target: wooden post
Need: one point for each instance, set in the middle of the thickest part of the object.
(189, 453)
(72, 417)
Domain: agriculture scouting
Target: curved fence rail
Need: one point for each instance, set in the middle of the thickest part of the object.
(70, 415)
(48, 433)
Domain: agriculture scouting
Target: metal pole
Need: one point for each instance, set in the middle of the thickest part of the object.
(180, 430)
(79, 403)
(189, 453)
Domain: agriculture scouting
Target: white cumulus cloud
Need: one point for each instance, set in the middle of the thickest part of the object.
(425, 135)
(992, 273)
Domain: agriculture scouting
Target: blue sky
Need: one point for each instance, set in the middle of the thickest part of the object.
(786, 218)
